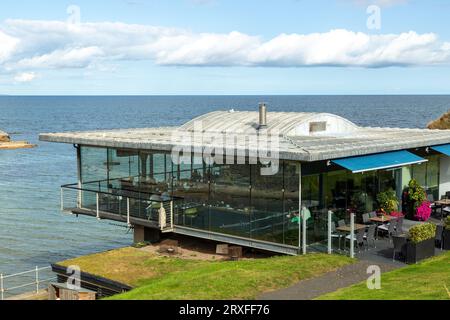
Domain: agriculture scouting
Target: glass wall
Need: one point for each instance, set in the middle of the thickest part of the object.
(427, 174)
(238, 200)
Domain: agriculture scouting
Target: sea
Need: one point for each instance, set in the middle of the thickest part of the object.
(33, 231)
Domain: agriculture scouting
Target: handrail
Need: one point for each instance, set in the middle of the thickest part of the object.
(36, 283)
(74, 186)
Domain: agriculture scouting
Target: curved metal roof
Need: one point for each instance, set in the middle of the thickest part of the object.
(247, 121)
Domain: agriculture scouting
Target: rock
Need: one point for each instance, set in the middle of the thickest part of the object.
(4, 137)
(443, 123)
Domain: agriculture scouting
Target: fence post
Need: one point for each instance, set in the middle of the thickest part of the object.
(62, 199)
(37, 279)
(2, 289)
(128, 212)
(171, 214)
(330, 249)
(98, 205)
(352, 235)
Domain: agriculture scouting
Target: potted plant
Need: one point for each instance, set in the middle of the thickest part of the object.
(388, 202)
(446, 235)
(421, 242)
(423, 212)
(414, 198)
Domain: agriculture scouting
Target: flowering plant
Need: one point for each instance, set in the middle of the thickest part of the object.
(397, 214)
(423, 212)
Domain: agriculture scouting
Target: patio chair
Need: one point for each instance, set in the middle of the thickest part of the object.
(335, 234)
(359, 238)
(366, 218)
(341, 223)
(399, 226)
(389, 228)
(370, 235)
(439, 233)
(372, 214)
(399, 242)
(433, 206)
(447, 195)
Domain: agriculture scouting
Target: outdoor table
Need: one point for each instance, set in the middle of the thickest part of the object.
(382, 219)
(441, 204)
(348, 228)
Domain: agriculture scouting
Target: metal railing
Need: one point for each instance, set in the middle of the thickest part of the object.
(126, 204)
(21, 281)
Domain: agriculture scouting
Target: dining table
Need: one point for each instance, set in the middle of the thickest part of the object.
(382, 219)
(441, 204)
(347, 228)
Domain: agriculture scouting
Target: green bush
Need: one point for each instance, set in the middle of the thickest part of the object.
(388, 201)
(447, 223)
(422, 232)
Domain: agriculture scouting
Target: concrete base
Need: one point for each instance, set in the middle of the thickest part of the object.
(143, 234)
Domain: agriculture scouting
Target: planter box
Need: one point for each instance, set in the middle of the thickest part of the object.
(446, 240)
(416, 252)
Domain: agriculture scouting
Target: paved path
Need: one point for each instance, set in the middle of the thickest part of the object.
(329, 282)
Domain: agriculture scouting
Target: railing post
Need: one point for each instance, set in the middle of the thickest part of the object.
(62, 199)
(98, 205)
(303, 232)
(352, 235)
(171, 214)
(37, 279)
(128, 212)
(330, 249)
(2, 288)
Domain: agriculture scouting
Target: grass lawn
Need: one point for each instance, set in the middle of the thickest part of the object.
(424, 281)
(166, 278)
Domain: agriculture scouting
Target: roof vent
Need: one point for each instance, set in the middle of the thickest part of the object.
(262, 115)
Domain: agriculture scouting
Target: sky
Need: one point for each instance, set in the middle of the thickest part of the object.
(224, 47)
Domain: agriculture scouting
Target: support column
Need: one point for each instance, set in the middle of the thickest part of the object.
(143, 234)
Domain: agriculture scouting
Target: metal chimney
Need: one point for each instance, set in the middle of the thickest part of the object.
(262, 115)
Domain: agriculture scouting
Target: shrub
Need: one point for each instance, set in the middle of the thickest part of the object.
(388, 201)
(447, 223)
(422, 232)
(416, 193)
(423, 212)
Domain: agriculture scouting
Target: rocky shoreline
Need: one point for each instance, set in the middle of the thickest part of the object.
(6, 143)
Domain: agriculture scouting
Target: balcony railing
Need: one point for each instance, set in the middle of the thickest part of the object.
(130, 206)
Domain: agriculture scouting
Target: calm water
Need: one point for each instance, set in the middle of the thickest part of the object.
(34, 232)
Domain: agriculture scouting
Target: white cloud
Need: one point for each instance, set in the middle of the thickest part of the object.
(25, 77)
(31, 45)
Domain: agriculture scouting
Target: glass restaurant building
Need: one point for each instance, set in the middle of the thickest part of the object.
(326, 165)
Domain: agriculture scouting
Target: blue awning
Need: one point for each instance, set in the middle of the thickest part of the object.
(379, 161)
(445, 149)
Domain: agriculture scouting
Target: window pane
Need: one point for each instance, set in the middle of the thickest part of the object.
(268, 217)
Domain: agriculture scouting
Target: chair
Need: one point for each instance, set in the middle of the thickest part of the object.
(366, 218)
(335, 234)
(359, 238)
(370, 235)
(399, 242)
(399, 226)
(389, 228)
(439, 233)
(341, 223)
(372, 214)
(433, 206)
(447, 195)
